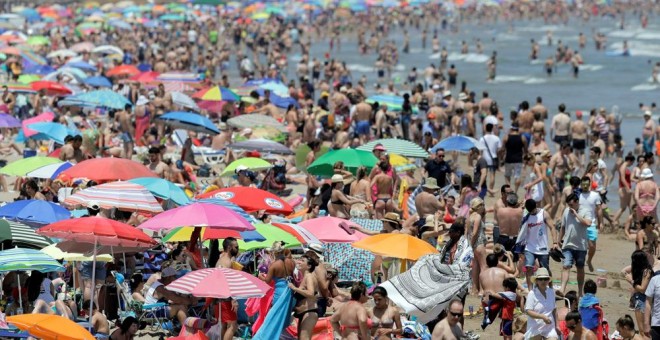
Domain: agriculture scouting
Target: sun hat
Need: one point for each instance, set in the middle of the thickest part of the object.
(379, 147)
(430, 221)
(542, 273)
(337, 179)
(142, 100)
(391, 217)
(462, 96)
(447, 93)
(431, 184)
(316, 247)
(646, 173)
(94, 205)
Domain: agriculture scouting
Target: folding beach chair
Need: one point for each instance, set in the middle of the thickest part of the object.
(152, 314)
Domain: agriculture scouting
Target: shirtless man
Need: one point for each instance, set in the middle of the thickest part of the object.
(221, 140)
(450, 327)
(525, 120)
(268, 108)
(484, 105)
(156, 165)
(578, 131)
(508, 219)
(362, 119)
(561, 126)
(228, 307)
(163, 103)
(71, 151)
(648, 133)
(540, 109)
(123, 117)
(384, 190)
(490, 280)
(578, 332)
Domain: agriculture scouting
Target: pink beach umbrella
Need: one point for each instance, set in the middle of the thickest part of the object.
(44, 117)
(198, 215)
(332, 229)
(219, 283)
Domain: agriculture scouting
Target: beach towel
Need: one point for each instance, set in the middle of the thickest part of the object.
(426, 289)
(279, 315)
(141, 126)
(412, 209)
(260, 306)
(353, 264)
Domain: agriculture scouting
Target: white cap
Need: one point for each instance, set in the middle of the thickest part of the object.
(94, 205)
(447, 93)
(240, 168)
(648, 113)
(142, 100)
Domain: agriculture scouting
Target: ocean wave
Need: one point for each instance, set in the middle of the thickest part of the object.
(591, 67)
(468, 58)
(360, 68)
(535, 81)
(644, 87)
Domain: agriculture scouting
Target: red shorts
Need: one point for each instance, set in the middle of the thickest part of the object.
(227, 315)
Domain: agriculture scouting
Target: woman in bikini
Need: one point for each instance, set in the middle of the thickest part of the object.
(646, 194)
(361, 189)
(339, 205)
(625, 186)
(350, 321)
(475, 232)
(384, 317)
(305, 295)
(647, 240)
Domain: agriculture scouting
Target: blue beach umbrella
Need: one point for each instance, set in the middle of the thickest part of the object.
(34, 212)
(99, 98)
(190, 121)
(458, 143)
(82, 65)
(51, 131)
(98, 81)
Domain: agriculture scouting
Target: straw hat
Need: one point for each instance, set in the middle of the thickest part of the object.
(392, 218)
(431, 184)
(430, 221)
(337, 179)
(542, 273)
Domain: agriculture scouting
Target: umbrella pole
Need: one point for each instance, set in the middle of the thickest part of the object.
(91, 299)
(20, 295)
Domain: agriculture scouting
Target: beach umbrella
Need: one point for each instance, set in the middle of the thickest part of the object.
(43, 117)
(39, 70)
(98, 81)
(99, 98)
(51, 131)
(332, 229)
(208, 2)
(125, 196)
(82, 65)
(145, 77)
(77, 76)
(211, 106)
(50, 171)
(396, 245)
(352, 158)
(261, 145)
(189, 77)
(10, 51)
(300, 233)
(38, 40)
(108, 169)
(123, 71)
(253, 120)
(198, 215)
(19, 88)
(184, 234)
(251, 199)
(52, 88)
(28, 260)
(216, 93)
(401, 163)
(277, 88)
(398, 146)
(270, 234)
(183, 100)
(50, 326)
(120, 24)
(9, 121)
(219, 283)
(59, 254)
(163, 189)
(28, 78)
(21, 167)
(107, 50)
(34, 212)
(458, 143)
(22, 235)
(190, 121)
(82, 47)
(252, 163)
(62, 53)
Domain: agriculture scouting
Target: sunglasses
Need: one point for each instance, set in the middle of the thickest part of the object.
(456, 315)
(571, 326)
(441, 156)
(543, 279)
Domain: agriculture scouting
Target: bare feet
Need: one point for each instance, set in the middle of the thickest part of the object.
(591, 266)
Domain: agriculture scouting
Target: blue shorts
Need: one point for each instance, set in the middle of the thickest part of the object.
(528, 136)
(573, 256)
(544, 260)
(126, 137)
(362, 127)
(86, 271)
(640, 302)
(506, 328)
(592, 233)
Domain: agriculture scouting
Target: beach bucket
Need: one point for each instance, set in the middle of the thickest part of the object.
(27, 153)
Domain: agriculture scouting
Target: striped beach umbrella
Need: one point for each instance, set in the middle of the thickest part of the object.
(219, 283)
(22, 235)
(27, 259)
(216, 93)
(121, 195)
(398, 146)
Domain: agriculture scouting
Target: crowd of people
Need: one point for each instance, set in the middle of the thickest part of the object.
(553, 202)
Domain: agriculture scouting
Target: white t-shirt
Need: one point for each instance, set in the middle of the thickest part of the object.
(544, 306)
(537, 234)
(598, 177)
(492, 144)
(192, 36)
(590, 201)
(653, 292)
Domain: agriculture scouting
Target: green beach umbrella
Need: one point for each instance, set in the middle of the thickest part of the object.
(22, 166)
(21, 234)
(272, 234)
(208, 2)
(352, 158)
(250, 163)
(28, 78)
(38, 40)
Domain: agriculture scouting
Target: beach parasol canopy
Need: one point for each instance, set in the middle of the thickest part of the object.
(9, 121)
(183, 100)
(219, 283)
(98, 98)
(52, 88)
(59, 254)
(34, 212)
(123, 71)
(27, 260)
(21, 167)
(251, 163)
(198, 215)
(124, 196)
(352, 158)
(332, 229)
(253, 120)
(145, 77)
(163, 189)
(48, 326)
(398, 146)
(458, 143)
(190, 121)
(251, 199)
(261, 145)
(184, 234)
(49, 171)
(402, 246)
(22, 235)
(98, 81)
(51, 131)
(108, 169)
(271, 234)
(216, 93)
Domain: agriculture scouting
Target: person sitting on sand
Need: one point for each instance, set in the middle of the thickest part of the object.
(126, 330)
